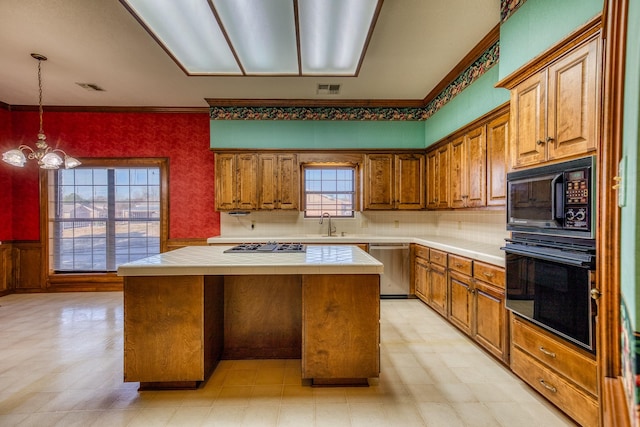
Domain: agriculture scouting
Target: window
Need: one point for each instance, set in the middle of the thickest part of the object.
(329, 189)
(103, 216)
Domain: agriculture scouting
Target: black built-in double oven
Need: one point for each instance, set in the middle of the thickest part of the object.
(550, 257)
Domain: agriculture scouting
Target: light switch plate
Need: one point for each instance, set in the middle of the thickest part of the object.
(622, 188)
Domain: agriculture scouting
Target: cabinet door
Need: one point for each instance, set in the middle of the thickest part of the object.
(432, 179)
(268, 173)
(409, 181)
(442, 180)
(475, 194)
(458, 172)
(461, 301)
(421, 270)
(288, 182)
(528, 114)
(573, 92)
(438, 288)
(378, 189)
(247, 187)
(490, 321)
(226, 180)
(497, 140)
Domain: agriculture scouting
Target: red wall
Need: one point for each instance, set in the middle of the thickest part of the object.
(6, 178)
(183, 138)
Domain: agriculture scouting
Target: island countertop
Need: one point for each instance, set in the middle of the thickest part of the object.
(212, 261)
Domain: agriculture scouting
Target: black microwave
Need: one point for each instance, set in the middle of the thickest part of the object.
(556, 199)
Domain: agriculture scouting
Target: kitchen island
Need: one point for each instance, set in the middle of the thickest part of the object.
(186, 309)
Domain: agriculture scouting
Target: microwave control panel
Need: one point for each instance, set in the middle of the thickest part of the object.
(577, 200)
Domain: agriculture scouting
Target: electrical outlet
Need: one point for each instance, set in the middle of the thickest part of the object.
(396, 224)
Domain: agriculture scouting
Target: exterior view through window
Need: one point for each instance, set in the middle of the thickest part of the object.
(100, 218)
(329, 189)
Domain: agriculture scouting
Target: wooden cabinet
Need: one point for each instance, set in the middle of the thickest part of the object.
(279, 181)
(394, 181)
(555, 110)
(6, 269)
(497, 143)
(430, 277)
(468, 169)
(236, 186)
(476, 303)
(249, 181)
(438, 177)
(564, 374)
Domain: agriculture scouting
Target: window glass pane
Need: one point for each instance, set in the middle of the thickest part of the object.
(329, 189)
(103, 217)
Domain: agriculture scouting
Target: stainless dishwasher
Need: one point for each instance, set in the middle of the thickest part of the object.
(394, 282)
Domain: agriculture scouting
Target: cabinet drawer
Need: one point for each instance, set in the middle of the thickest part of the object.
(421, 251)
(438, 257)
(460, 264)
(557, 355)
(578, 405)
(489, 273)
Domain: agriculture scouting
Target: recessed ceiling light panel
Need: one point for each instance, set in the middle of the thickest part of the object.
(189, 31)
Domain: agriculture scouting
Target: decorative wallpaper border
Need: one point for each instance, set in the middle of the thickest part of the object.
(480, 66)
(630, 363)
(508, 7)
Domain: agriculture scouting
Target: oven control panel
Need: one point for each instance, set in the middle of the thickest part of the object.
(577, 200)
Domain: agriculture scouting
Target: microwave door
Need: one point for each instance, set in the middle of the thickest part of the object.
(532, 203)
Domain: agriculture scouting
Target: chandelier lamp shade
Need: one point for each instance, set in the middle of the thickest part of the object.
(47, 157)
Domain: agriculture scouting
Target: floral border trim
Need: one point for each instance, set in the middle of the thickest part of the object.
(508, 7)
(480, 66)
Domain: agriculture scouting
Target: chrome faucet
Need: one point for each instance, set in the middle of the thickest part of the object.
(330, 229)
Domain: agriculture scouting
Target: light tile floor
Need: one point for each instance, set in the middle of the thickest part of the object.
(61, 365)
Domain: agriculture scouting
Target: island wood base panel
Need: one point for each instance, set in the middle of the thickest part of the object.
(177, 328)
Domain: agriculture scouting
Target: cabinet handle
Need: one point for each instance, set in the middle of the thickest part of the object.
(489, 275)
(547, 352)
(458, 265)
(549, 139)
(547, 386)
(595, 294)
(540, 142)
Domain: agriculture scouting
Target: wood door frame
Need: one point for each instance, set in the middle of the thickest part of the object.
(612, 399)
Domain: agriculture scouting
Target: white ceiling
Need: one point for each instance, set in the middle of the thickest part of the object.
(414, 45)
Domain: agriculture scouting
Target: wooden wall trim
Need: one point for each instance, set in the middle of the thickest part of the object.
(616, 412)
(608, 236)
(588, 31)
(379, 103)
(107, 109)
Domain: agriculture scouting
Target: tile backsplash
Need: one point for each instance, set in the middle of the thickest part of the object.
(478, 226)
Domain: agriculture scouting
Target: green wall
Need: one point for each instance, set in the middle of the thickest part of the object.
(477, 99)
(630, 236)
(539, 24)
(316, 134)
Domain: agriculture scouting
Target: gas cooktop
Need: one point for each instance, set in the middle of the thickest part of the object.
(268, 247)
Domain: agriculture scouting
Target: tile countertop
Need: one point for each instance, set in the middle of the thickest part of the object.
(211, 260)
(484, 252)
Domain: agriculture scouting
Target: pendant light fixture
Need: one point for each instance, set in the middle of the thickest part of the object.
(46, 156)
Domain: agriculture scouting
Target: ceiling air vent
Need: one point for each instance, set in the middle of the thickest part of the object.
(328, 89)
(91, 87)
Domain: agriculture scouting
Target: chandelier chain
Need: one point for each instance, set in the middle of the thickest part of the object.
(40, 109)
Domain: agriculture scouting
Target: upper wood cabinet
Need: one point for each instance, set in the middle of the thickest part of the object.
(497, 143)
(438, 177)
(468, 169)
(555, 110)
(256, 181)
(394, 181)
(236, 186)
(279, 181)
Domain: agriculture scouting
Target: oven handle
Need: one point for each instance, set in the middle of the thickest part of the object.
(554, 194)
(551, 258)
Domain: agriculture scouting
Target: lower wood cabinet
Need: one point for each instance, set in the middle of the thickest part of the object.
(561, 372)
(469, 293)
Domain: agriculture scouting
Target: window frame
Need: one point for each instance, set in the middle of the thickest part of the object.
(331, 165)
(98, 280)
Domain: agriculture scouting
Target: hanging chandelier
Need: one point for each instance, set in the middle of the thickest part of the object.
(47, 157)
